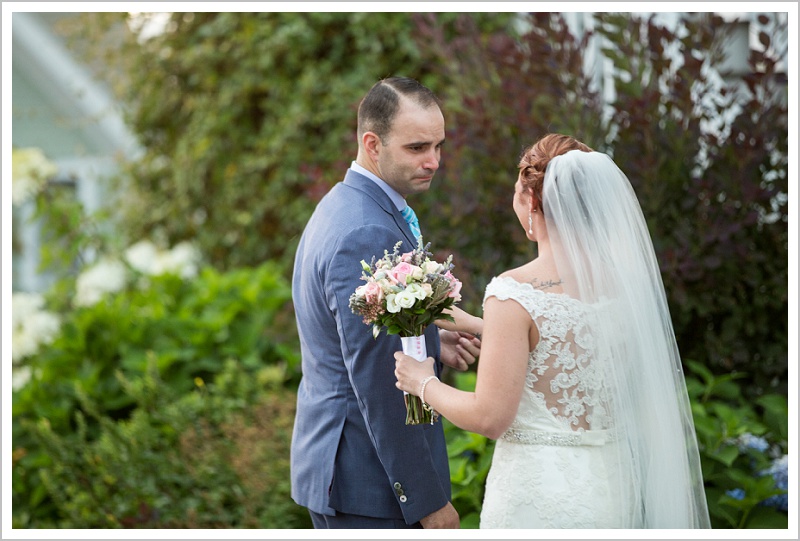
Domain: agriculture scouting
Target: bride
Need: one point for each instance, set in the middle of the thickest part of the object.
(579, 380)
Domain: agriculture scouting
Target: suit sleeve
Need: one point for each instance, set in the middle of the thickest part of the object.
(403, 450)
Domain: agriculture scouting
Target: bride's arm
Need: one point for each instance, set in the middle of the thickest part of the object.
(501, 374)
(464, 322)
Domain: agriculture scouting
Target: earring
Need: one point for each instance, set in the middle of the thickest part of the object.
(530, 223)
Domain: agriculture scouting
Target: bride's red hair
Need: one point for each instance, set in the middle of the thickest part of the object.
(534, 160)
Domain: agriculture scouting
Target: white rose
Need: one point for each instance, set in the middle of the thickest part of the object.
(417, 291)
(431, 267)
(391, 303)
(405, 299)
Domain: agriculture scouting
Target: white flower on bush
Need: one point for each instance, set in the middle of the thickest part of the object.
(31, 325)
(142, 256)
(105, 276)
(182, 259)
(20, 376)
(30, 170)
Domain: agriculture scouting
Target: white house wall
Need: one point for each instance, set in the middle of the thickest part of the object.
(58, 107)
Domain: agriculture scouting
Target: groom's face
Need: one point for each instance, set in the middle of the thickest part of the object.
(409, 155)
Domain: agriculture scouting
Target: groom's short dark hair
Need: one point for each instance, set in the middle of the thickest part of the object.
(378, 108)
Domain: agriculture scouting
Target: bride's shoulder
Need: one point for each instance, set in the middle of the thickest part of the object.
(506, 279)
(508, 284)
(522, 274)
(535, 274)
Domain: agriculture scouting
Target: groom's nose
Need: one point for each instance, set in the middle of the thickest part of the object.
(432, 159)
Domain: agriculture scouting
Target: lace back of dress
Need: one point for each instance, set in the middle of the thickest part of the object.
(571, 381)
(564, 370)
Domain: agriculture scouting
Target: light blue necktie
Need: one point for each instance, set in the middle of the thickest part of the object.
(411, 218)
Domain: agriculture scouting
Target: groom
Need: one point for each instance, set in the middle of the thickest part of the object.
(354, 462)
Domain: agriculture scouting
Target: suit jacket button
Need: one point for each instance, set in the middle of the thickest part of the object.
(397, 485)
(403, 498)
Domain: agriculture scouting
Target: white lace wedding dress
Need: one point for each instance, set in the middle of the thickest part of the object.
(553, 468)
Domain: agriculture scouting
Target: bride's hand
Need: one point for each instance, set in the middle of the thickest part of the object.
(410, 372)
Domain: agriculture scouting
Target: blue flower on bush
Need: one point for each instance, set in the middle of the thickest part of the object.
(736, 493)
(779, 470)
(749, 441)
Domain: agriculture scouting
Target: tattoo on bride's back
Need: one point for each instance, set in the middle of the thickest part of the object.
(546, 284)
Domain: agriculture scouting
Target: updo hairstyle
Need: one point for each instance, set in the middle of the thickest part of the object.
(535, 158)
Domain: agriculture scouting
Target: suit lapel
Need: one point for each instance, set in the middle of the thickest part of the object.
(375, 192)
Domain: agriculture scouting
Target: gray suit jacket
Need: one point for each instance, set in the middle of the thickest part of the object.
(351, 449)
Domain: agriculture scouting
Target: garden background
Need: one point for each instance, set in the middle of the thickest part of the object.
(155, 380)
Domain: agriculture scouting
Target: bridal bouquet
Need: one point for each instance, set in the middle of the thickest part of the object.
(404, 293)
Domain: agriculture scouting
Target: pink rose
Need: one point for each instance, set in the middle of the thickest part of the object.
(373, 293)
(456, 286)
(402, 271)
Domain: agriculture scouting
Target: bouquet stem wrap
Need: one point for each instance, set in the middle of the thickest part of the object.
(416, 411)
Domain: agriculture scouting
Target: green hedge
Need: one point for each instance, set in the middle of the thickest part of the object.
(169, 395)
(170, 404)
(216, 457)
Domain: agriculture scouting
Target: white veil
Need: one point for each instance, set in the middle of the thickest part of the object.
(605, 258)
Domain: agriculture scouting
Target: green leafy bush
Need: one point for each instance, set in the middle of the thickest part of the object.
(246, 119)
(216, 457)
(708, 158)
(743, 449)
(184, 330)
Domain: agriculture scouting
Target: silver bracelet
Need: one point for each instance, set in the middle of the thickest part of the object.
(422, 387)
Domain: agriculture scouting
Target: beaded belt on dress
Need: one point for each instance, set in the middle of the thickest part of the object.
(571, 439)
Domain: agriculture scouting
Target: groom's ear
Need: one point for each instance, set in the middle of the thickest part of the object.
(371, 143)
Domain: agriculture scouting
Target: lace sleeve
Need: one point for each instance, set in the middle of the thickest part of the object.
(505, 288)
